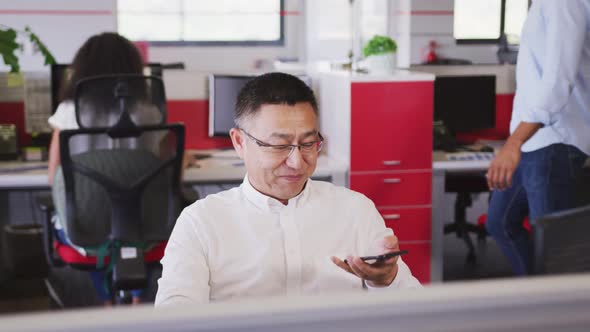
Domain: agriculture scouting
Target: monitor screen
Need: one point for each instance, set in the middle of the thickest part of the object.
(465, 103)
(60, 74)
(223, 92)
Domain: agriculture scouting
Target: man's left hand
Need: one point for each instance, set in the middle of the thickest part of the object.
(502, 168)
(376, 275)
(499, 175)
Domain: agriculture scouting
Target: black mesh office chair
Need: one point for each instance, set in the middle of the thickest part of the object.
(464, 184)
(117, 192)
(561, 242)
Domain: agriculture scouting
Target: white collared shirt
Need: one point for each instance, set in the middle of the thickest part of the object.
(240, 243)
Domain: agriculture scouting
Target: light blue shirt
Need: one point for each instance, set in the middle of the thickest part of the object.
(553, 74)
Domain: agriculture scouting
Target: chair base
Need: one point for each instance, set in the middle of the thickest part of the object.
(462, 230)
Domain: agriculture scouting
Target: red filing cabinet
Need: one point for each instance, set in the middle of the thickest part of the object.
(391, 160)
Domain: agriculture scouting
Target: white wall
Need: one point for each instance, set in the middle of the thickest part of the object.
(433, 20)
(65, 24)
(412, 23)
(233, 59)
(327, 30)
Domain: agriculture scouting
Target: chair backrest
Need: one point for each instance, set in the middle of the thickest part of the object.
(561, 242)
(120, 171)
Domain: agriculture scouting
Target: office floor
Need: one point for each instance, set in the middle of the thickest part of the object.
(490, 262)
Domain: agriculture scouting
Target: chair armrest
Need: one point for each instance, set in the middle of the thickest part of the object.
(45, 203)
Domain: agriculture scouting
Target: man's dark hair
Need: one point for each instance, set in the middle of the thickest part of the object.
(274, 89)
(102, 54)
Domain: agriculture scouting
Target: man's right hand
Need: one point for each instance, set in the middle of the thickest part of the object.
(378, 274)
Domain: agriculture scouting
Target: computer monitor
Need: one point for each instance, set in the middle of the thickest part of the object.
(560, 242)
(465, 103)
(223, 92)
(60, 74)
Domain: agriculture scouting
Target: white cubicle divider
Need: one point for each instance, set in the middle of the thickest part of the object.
(539, 304)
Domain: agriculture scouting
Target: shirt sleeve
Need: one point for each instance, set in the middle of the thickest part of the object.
(403, 280)
(185, 272)
(565, 34)
(64, 117)
(377, 231)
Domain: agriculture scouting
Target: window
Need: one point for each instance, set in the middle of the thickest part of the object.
(483, 21)
(219, 22)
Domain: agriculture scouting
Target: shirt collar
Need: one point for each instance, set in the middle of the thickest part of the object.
(268, 203)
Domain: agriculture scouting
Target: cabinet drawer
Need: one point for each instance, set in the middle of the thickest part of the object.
(418, 259)
(409, 224)
(391, 126)
(394, 188)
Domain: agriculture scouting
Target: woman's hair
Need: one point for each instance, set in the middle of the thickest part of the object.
(103, 54)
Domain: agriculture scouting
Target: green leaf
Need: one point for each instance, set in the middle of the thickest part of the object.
(8, 46)
(49, 59)
(379, 45)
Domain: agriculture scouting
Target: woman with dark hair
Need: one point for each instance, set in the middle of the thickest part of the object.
(103, 54)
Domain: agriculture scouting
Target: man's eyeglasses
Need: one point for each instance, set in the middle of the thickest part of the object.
(285, 150)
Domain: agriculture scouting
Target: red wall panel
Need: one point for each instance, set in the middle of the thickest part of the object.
(195, 116)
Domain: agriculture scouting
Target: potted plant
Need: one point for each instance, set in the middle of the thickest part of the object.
(9, 45)
(380, 55)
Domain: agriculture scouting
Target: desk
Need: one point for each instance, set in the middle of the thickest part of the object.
(211, 170)
(222, 170)
(441, 208)
(17, 175)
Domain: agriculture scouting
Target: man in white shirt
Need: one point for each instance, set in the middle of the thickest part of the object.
(279, 233)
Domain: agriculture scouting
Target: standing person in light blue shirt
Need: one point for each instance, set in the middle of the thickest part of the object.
(535, 171)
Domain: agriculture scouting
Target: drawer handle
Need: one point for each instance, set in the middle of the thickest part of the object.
(394, 180)
(391, 162)
(391, 216)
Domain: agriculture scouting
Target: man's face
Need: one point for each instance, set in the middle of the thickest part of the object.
(276, 172)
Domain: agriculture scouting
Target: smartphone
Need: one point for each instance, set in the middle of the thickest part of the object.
(381, 258)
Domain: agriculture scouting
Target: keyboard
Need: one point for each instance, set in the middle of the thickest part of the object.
(469, 156)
